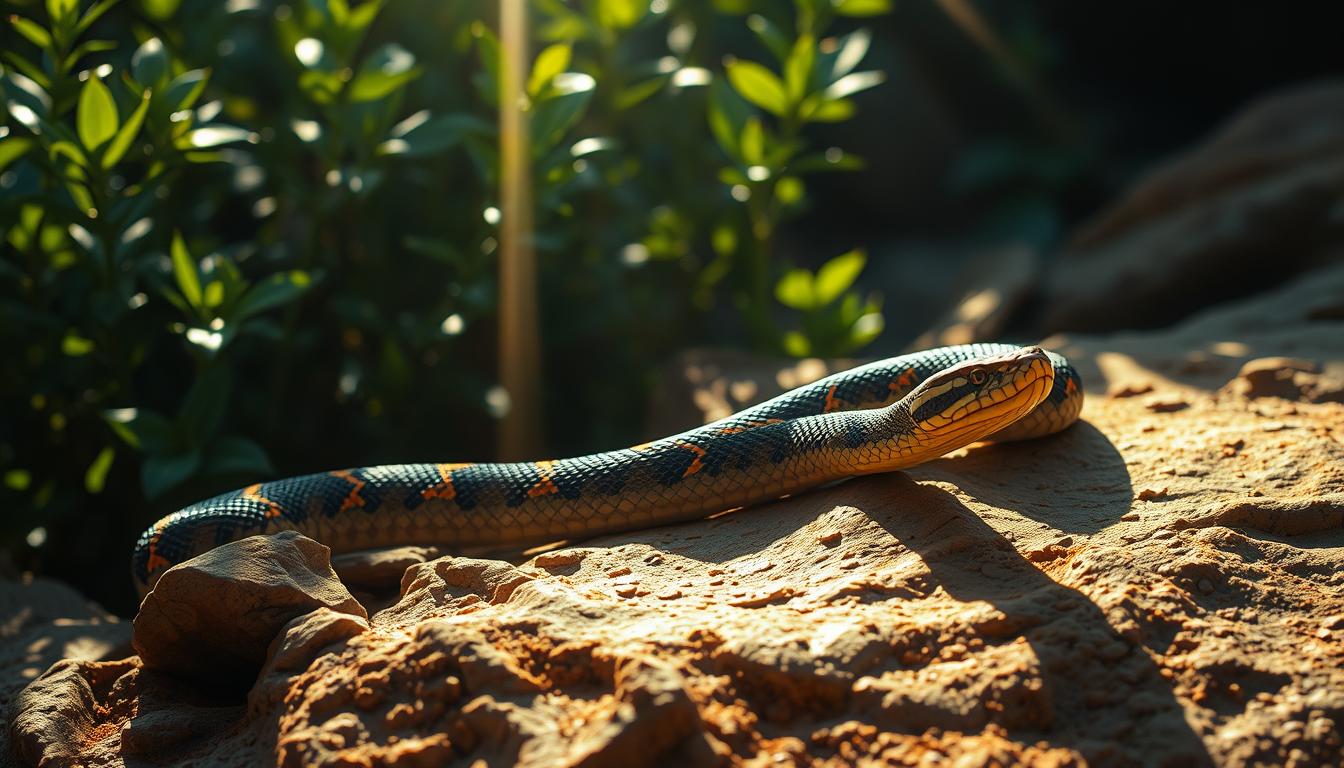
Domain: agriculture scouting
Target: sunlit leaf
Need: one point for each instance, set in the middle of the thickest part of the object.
(753, 142)
(798, 68)
(796, 344)
(97, 116)
(14, 147)
(758, 85)
(828, 111)
(126, 134)
(862, 7)
(552, 60)
(74, 345)
(36, 33)
(634, 94)
(837, 275)
(96, 475)
(795, 290)
(213, 136)
(620, 14)
(853, 83)
(185, 272)
(850, 52)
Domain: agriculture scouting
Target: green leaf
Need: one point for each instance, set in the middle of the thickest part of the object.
(789, 190)
(420, 134)
(634, 94)
(563, 105)
(36, 33)
(96, 475)
(212, 136)
(97, 118)
(126, 134)
(160, 473)
(205, 404)
(837, 275)
(796, 344)
(62, 12)
(795, 290)
(753, 142)
(94, 13)
(849, 52)
(727, 113)
(18, 479)
(758, 85)
(798, 68)
(152, 432)
(825, 111)
(853, 83)
(149, 63)
(620, 14)
(552, 60)
(186, 88)
(184, 270)
(14, 147)
(866, 329)
(235, 455)
(857, 8)
(770, 36)
(74, 345)
(384, 72)
(272, 292)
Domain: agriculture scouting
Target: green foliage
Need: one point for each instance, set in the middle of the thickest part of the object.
(242, 240)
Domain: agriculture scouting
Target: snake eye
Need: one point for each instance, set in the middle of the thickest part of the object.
(977, 377)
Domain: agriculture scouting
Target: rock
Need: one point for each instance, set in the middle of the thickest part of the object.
(214, 617)
(1254, 205)
(1149, 587)
(43, 622)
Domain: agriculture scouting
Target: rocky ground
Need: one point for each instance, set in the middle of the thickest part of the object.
(1162, 584)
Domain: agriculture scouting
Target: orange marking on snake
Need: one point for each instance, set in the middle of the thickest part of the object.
(444, 488)
(747, 426)
(352, 499)
(157, 561)
(906, 378)
(253, 493)
(545, 486)
(696, 464)
(642, 446)
(1070, 387)
(831, 402)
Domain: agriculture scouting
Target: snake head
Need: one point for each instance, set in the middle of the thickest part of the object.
(974, 399)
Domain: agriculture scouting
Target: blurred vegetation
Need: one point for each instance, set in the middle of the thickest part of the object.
(251, 239)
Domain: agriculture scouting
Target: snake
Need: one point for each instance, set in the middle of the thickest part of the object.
(878, 417)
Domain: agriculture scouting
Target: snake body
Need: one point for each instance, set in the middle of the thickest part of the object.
(881, 416)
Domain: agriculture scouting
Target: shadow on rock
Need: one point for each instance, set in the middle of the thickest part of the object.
(1086, 664)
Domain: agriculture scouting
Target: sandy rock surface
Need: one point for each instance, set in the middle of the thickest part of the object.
(1163, 584)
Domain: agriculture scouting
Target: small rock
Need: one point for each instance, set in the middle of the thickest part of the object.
(214, 616)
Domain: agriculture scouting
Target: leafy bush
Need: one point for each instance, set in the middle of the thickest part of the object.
(246, 239)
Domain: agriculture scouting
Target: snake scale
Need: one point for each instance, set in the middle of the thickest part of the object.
(877, 417)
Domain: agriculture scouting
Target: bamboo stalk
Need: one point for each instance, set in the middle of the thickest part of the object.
(519, 435)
